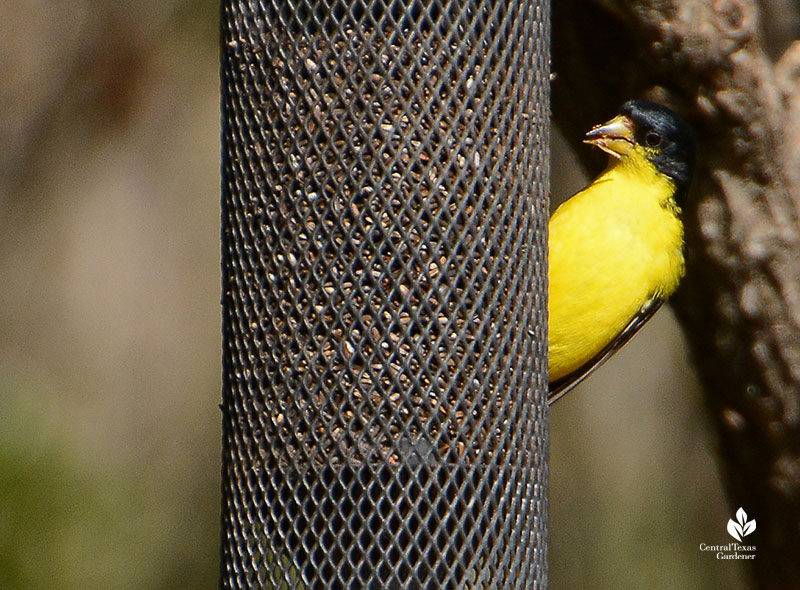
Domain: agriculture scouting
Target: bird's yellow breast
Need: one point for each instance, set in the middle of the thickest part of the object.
(613, 247)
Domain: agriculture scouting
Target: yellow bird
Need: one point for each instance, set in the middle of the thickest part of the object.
(616, 247)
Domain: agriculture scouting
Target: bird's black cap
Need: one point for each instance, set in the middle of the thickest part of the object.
(671, 138)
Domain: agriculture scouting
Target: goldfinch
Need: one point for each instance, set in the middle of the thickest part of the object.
(616, 247)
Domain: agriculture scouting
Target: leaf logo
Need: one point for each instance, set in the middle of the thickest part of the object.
(740, 527)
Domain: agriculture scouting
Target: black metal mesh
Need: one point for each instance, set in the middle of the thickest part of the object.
(384, 238)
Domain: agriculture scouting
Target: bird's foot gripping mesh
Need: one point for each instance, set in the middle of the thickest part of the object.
(384, 234)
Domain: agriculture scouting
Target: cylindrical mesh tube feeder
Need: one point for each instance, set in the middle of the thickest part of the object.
(384, 294)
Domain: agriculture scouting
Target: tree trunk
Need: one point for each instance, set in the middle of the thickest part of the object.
(740, 301)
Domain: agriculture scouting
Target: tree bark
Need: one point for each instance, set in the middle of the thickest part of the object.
(740, 301)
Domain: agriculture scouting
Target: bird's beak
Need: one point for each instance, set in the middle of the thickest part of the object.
(614, 137)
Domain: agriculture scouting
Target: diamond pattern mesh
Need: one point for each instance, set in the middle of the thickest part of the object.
(384, 235)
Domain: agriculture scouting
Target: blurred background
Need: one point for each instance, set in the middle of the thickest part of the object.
(110, 334)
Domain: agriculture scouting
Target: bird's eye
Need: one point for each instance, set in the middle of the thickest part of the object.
(652, 139)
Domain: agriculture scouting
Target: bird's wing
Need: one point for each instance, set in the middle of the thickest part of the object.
(562, 386)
